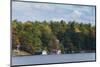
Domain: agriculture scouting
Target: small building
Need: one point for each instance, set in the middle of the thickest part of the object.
(58, 51)
(55, 51)
(18, 47)
(44, 52)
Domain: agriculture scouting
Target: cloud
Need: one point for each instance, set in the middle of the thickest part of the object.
(75, 14)
(43, 6)
(58, 18)
(42, 11)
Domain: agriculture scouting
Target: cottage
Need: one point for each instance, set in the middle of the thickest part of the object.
(44, 52)
(59, 52)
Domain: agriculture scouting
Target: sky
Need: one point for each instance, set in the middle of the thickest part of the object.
(26, 11)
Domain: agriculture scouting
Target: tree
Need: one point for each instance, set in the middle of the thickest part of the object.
(54, 35)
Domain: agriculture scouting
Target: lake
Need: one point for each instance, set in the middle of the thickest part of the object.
(45, 59)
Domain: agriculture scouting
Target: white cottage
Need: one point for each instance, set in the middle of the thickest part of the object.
(59, 52)
(44, 52)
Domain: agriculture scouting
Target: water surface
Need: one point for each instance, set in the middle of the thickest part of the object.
(44, 59)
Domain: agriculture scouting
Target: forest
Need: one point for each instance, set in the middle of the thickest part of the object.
(69, 37)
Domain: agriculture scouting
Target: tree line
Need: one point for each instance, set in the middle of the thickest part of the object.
(35, 36)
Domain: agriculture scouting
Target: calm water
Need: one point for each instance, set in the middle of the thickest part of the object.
(42, 59)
